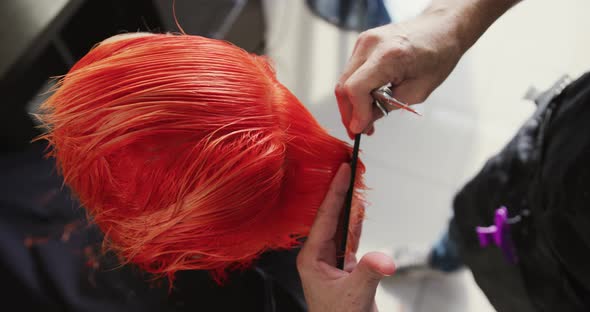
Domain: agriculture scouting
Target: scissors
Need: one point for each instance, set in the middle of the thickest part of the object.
(382, 97)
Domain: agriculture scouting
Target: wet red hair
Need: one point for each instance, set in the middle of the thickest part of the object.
(188, 153)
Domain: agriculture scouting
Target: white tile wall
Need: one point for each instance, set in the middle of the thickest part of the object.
(415, 164)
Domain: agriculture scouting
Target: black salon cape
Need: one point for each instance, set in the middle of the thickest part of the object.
(544, 169)
(50, 258)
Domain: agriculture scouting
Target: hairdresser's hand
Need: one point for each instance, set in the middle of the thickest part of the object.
(415, 56)
(327, 288)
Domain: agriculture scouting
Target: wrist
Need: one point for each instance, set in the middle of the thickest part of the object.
(468, 19)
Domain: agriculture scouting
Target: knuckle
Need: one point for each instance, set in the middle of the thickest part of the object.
(355, 90)
(349, 88)
(396, 53)
(338, 91)
(403, 40)
(368, 37)
(373, 277)
(399, 49)
(305, 259)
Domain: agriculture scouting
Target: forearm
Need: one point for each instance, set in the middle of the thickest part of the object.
(469, 18)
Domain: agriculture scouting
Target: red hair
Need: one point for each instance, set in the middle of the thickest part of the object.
(188, 153)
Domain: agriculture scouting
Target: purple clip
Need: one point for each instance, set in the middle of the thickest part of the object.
(499, 234)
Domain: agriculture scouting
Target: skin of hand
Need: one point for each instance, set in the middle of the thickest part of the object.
(415, 56)
(327, 288)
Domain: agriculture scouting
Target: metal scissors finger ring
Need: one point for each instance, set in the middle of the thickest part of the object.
(384, 96)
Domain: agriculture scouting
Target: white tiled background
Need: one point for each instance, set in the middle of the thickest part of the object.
(416, 164)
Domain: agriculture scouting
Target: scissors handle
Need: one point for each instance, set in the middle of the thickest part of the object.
(384, 96)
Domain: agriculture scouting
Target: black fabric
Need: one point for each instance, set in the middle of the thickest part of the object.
(51, 259)
(545, 171)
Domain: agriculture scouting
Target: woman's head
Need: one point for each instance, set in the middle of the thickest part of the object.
(188, 153)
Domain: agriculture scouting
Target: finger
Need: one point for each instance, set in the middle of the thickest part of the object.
(344, 105)
(345, 109)
(369, 272)
(377, 114)
(362, 49)
(355, 61)
(358, 89)
(354, 234)
(356, 225)
(350, 262)
(325, 225)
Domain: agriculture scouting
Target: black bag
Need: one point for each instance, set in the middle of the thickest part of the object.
(543, 177)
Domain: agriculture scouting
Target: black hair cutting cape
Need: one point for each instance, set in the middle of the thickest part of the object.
(545, 170)
(51, 258)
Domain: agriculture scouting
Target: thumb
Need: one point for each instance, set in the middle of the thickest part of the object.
(369, 272)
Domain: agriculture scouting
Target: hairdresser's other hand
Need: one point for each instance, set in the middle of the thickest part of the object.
(327, 288)
(415, 56)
